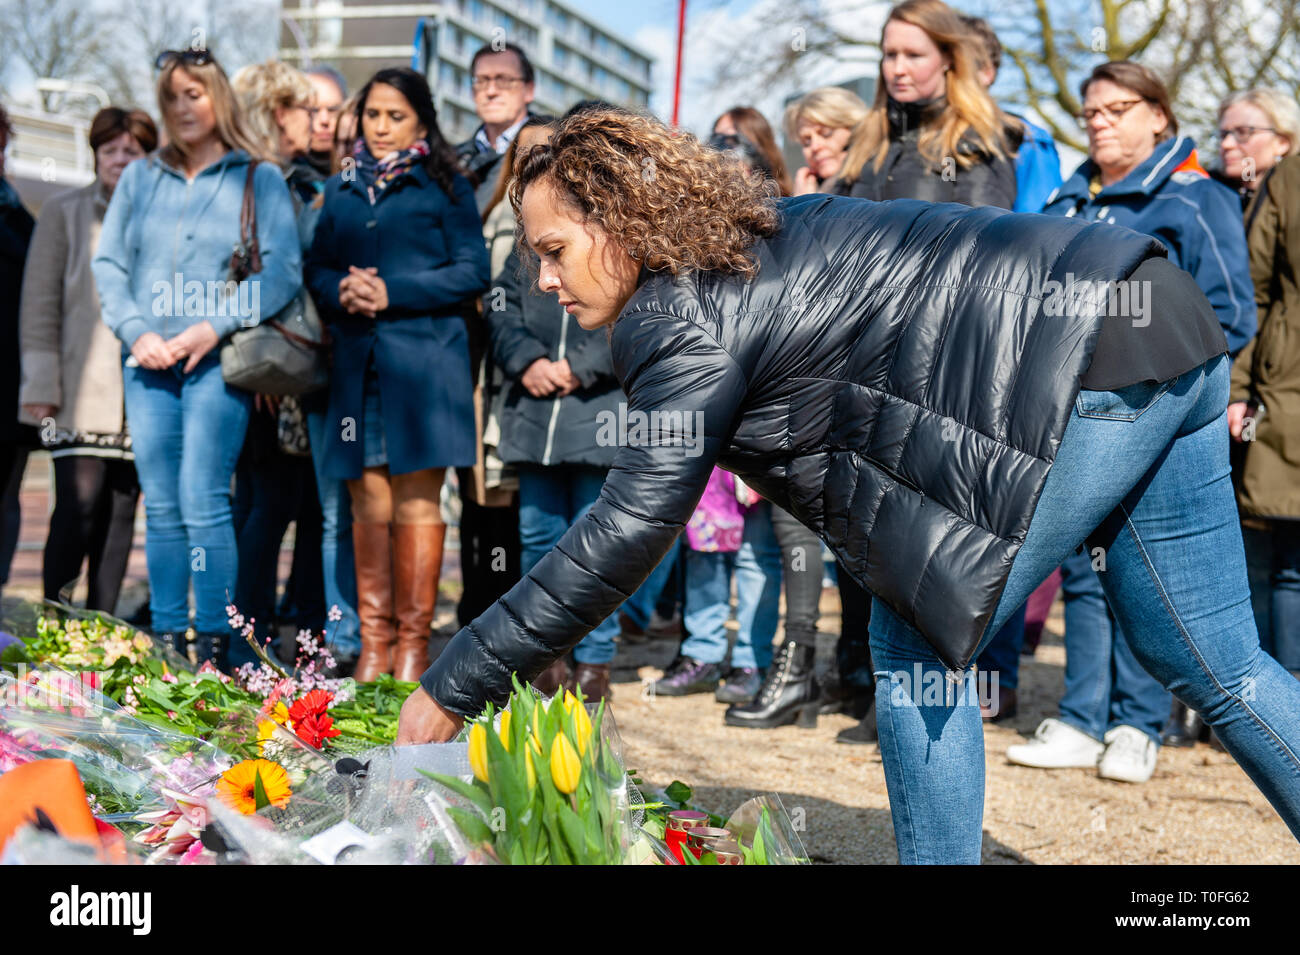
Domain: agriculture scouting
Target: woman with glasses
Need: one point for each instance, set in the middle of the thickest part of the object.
(1258, 133)
(396, 259)
(1257, 127)
(163, 273)
(1142, 174)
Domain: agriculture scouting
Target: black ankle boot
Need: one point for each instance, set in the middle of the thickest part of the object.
(1184, 726)
(214, 647)
(788, 693)
(173, 641)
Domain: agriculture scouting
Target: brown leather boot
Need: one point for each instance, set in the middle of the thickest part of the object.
(593, 680)
(373, 549)
(417, 565)
(554, 678)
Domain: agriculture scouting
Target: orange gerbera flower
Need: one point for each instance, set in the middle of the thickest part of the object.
(237, 785)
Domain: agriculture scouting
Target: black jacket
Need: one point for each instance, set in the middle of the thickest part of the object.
(906, 174)
(889, 378)
(527, 325)
(16, 225)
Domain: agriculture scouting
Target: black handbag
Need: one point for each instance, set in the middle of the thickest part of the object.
(285, 354)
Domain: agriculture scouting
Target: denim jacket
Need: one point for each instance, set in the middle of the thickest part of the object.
(164, 253)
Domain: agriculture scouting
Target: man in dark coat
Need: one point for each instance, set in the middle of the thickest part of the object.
(503, 82)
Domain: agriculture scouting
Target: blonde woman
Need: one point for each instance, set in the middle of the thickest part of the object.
(161, 270)
(932, 132)
(822, 122)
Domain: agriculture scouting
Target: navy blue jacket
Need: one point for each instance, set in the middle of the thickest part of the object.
(429, 251)
(1171, 197)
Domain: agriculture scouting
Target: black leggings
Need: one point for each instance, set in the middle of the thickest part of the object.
(94, 517)
(801, 559)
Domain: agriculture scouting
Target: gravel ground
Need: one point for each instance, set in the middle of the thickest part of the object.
(1199, 807)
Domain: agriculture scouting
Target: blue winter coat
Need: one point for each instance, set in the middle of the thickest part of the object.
(1169, 196)
(430, 253)
(164, 249)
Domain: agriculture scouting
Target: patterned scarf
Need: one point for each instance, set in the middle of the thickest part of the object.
(378, 173)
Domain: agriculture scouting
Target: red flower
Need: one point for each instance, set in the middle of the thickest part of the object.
(314, 730)
(314, 703)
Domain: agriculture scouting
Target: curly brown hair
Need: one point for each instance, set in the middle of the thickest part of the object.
(672, 202)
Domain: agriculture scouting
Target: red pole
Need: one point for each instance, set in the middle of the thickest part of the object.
(681, 41)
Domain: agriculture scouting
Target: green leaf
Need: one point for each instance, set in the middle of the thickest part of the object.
(679, 792)
(559, 853)
(470, 791)
(574, 833)
(259, 792)
(760, 848)
(474, 828)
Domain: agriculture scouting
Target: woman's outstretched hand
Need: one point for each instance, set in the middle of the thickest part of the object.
(423, 720)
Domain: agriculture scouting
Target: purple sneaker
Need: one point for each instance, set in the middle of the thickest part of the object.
(741, 686)
(686, 676)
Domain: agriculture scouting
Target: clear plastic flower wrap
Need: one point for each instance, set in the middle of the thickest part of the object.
(766, 834)
(124, 762)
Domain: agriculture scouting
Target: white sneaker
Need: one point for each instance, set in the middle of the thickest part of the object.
(1130, 755)
(1057, 745)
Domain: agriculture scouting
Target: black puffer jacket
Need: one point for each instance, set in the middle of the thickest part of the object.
(906, 174)
(526, 326)
(887, 378)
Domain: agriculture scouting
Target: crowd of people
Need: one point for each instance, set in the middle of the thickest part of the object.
(446, 365)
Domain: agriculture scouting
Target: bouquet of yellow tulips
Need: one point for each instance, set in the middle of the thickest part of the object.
(545, 787)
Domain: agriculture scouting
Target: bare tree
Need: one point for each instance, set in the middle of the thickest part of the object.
(51, 38)
(115, 43)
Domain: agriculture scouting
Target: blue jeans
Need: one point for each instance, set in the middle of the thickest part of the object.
(757, 566)
(640, 607)
(1105, 685)
(337, 561)
(187, 431)
(1273, 561)
(1142, 472)
(551, 498)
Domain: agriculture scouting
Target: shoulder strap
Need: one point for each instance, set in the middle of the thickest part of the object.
(248, 222)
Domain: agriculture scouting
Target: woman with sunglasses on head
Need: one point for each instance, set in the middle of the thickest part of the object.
(1258, 133)
(397, 256)
(163, 272)
(1142, 174)
(900, 378)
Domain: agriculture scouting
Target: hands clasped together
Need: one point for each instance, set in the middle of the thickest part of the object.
(363, 292)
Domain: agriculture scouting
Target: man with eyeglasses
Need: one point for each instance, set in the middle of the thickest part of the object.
(503, 83)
